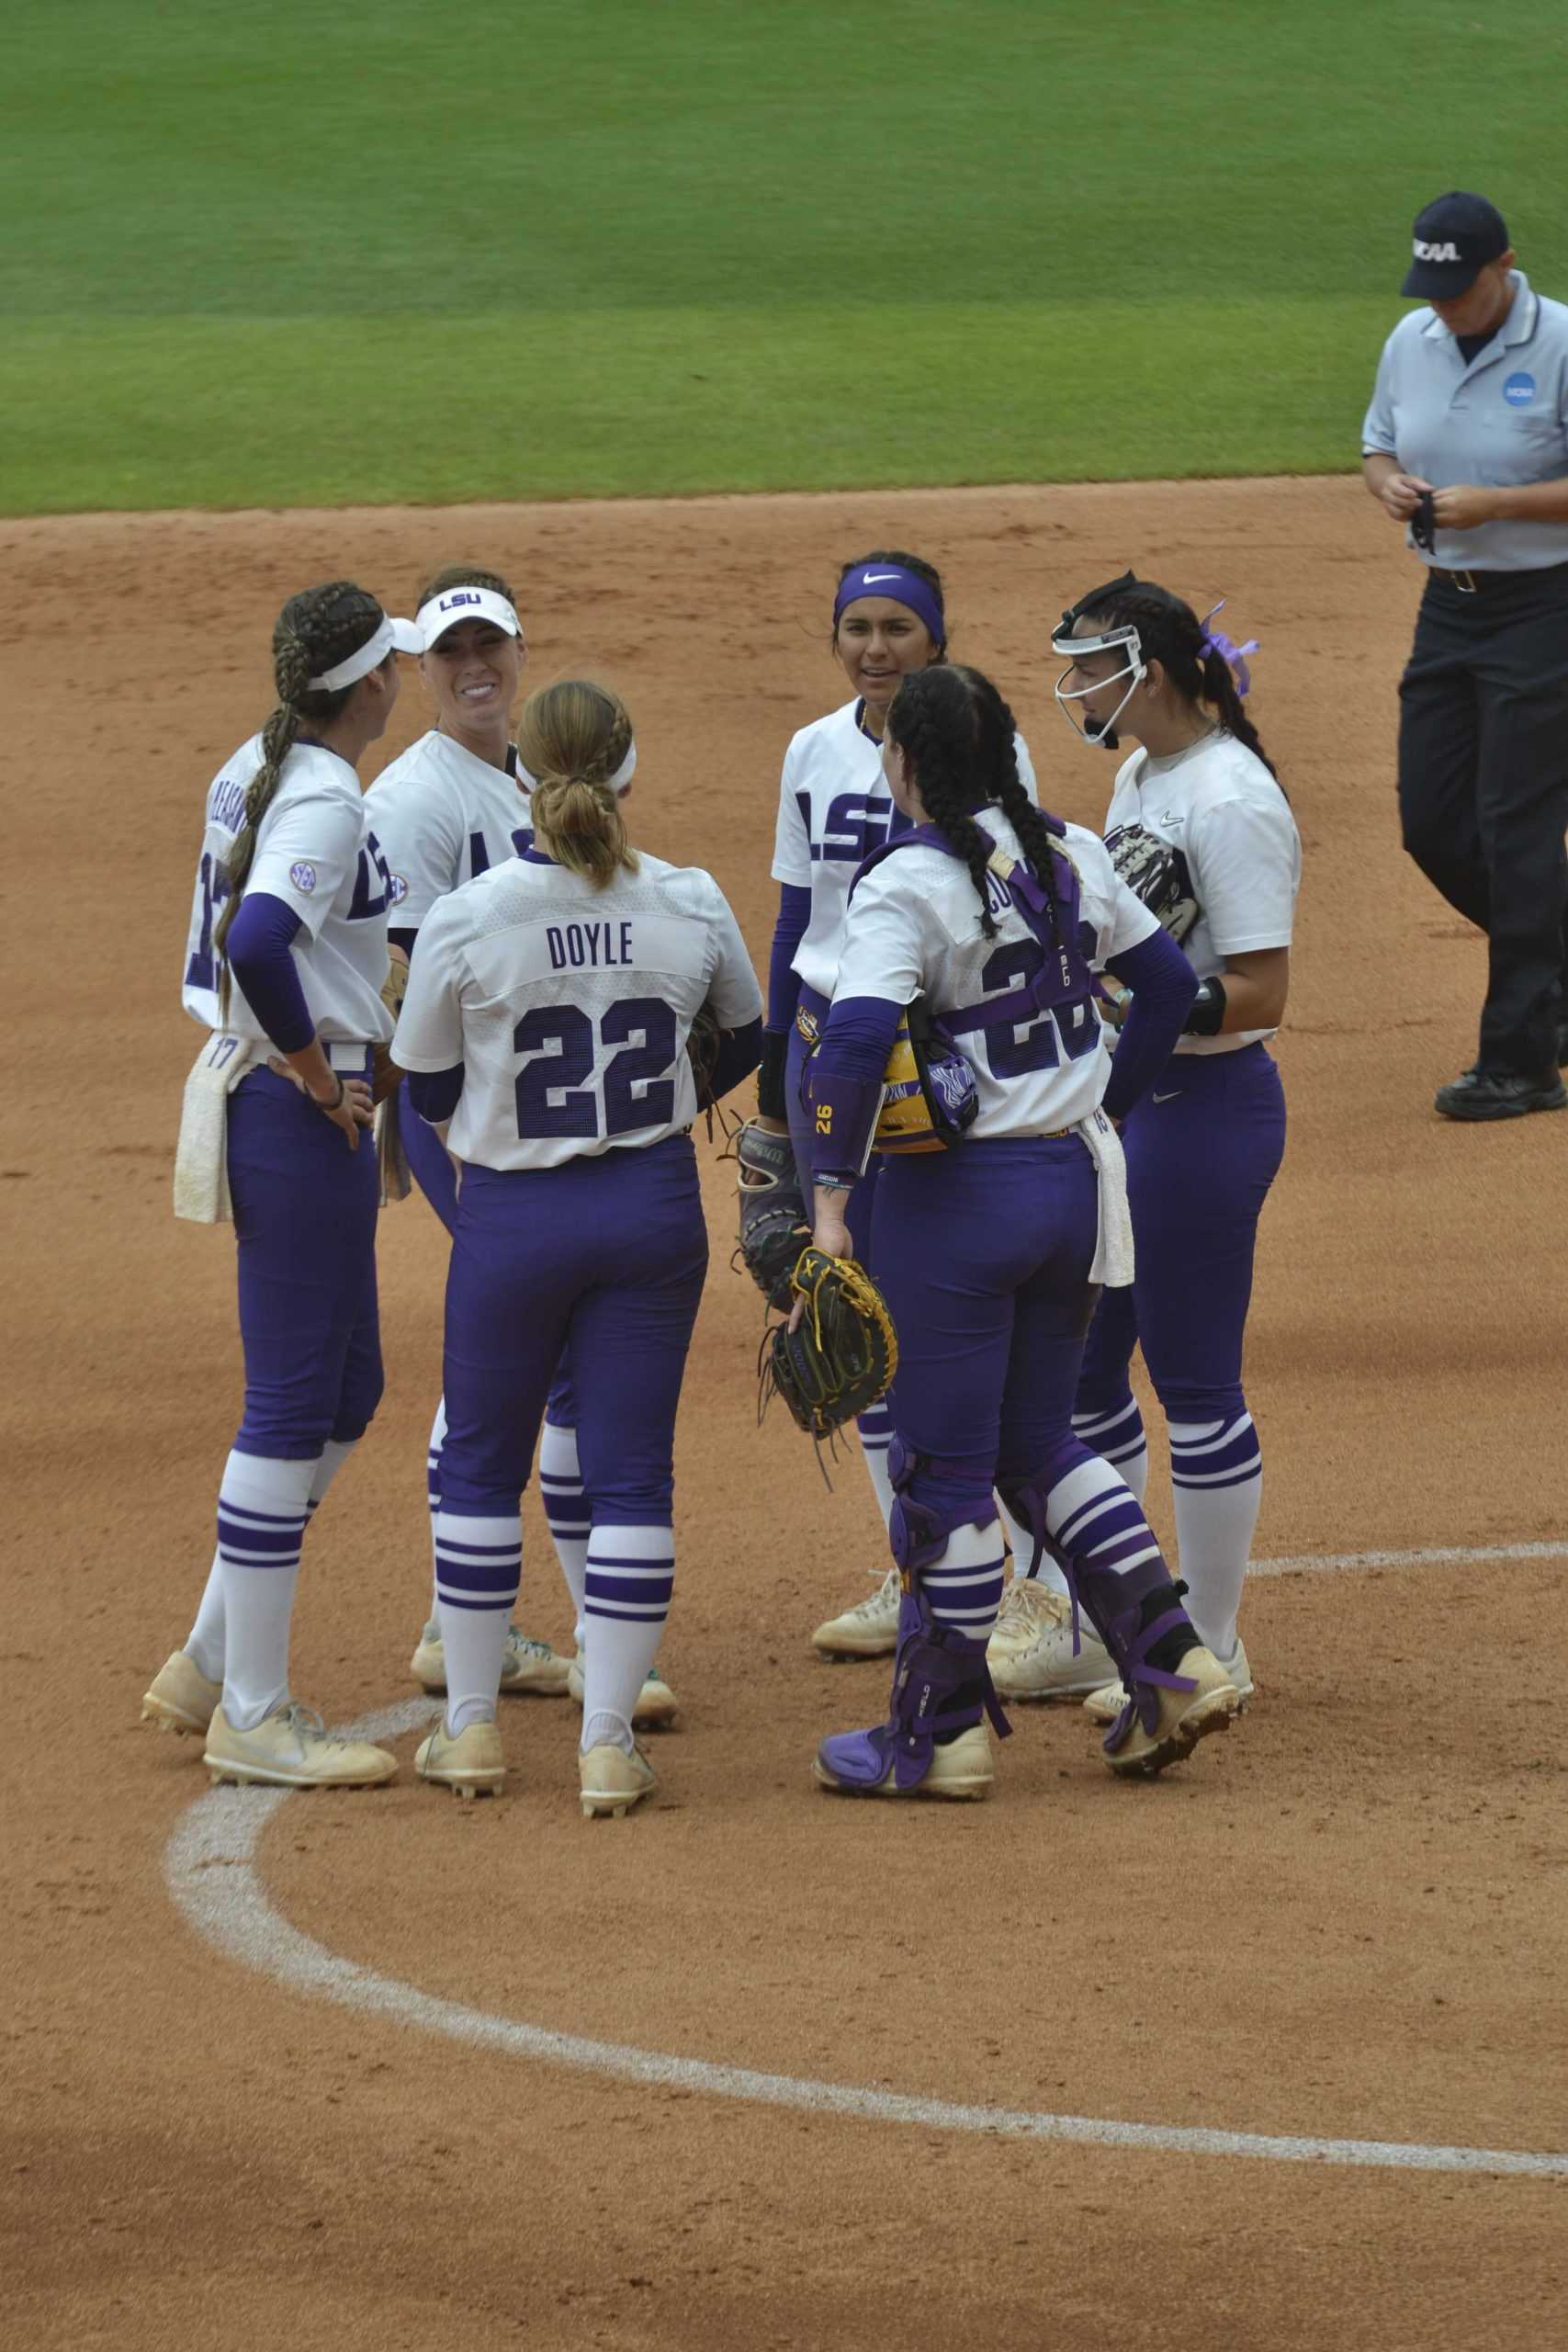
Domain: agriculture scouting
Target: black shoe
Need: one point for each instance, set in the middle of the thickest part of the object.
(1500, 1095)
(1561, 1043)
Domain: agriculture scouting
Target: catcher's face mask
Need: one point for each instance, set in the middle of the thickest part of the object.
(1122, 642)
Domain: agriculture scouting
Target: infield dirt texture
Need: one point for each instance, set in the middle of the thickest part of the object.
(291, 257)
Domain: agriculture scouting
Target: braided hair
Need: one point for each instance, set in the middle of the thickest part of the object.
(915, 563)
(572, 738)
(957, 735)
(315, 630)
(1171, 634)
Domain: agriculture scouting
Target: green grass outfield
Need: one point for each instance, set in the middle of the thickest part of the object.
(299, 254)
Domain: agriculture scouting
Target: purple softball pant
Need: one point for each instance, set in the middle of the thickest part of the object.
(305, 1208)
(1203, 1146)
(608, 1254)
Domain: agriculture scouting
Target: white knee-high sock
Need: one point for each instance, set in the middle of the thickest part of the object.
(875, 1431)
(478, 1562)
(432, 1489)
(566, 1510)
(334, 1453)
(205, 1641)
(263, 1506)
(1118, 1438)
(965, 1587)
(1097, 1520)
(1217, 1477)
(1023, 1546)
(630, 1573)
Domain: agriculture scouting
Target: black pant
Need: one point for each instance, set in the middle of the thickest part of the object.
(1483, 791)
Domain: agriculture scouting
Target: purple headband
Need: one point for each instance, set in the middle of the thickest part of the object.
(904, 587)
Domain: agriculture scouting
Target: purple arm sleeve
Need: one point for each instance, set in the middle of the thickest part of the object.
(434, 1093)
(258, 955)
(739, 1051)
(1163, 985)
(784, 983)
(844, 1082)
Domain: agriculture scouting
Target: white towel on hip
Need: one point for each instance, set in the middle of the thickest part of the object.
(201, 1162)
(1113, 1245)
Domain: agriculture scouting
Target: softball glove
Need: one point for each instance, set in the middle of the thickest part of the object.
(774, 1227)
(843, 1357)
(1156, 872)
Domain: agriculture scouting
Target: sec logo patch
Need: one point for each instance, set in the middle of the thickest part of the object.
(1519, 390)
(396, 889)
(303, 876)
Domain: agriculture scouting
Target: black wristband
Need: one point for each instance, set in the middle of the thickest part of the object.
(337, 1098)
(770, 1074)
(1208, 1013)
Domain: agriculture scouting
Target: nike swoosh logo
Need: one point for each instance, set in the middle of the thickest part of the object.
(1168, 1098)
(867, 577)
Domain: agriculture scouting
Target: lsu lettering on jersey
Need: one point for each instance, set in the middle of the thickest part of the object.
(834, 809)
(443, 815)
(1220, 807)
(913, 928)
(316, 852)
(570, 1008)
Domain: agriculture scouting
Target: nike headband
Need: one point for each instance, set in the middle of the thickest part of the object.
(392, 637)
(903, 586)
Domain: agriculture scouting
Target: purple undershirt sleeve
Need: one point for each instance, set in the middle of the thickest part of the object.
(435, 1092)
(846, 1074)
(1163, 985)
(784, 983)
(258, 953)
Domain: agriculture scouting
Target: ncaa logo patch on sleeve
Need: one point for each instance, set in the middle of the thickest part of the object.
(303, 876)
(1519, 390)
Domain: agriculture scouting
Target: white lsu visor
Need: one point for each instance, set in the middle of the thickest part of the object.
(1123, 641)
(444, 612)
(392, 637)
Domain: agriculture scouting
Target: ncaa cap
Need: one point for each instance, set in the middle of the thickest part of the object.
(1454, 238)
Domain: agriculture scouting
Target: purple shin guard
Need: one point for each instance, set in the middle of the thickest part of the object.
(1131, 1622)
(940, 1683)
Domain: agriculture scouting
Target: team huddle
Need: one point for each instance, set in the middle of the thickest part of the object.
(1018, 1072)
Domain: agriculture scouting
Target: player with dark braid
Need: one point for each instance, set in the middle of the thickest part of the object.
(1198, 823)
(286, 963)
(991, 1252)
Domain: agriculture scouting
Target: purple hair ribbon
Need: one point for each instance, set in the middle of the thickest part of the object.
(1234, 656)
(903, 587)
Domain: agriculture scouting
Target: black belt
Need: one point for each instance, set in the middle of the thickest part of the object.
(1472, 583)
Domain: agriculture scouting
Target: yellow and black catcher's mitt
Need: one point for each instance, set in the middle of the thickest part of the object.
(843, 1355)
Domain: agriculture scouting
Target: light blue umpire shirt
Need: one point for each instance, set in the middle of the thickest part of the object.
(1500, 423)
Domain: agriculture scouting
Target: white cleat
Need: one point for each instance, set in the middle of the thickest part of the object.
(1044, 1665)
(472, 1765)
(290, 1749)
(868, 1630)
(655, 1707)
(528, 1668)
(180, 1697)
(1103, 1706)
(612, 1782)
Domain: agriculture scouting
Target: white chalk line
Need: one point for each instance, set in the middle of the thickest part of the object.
(1447, 1555)
(208, 1865)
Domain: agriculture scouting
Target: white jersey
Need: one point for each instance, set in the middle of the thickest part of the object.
(1220, 807)
(443, 815)
(913, 929)
(570, 1008)
(316, 852)
(835, 809)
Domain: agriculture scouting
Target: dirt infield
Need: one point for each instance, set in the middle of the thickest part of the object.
(1347, 1921)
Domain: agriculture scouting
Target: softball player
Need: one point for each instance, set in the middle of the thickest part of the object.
(834, 810)
(547, 1015)
(1198, 802)
(989, 1254)
(286, 959)
(451, 807)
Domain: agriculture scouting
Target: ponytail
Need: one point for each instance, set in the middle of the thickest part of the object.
(314, 631)
(1170, 633)
(575, 737)
(1220, 689)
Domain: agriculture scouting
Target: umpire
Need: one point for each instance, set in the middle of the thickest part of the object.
(1466, 442)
